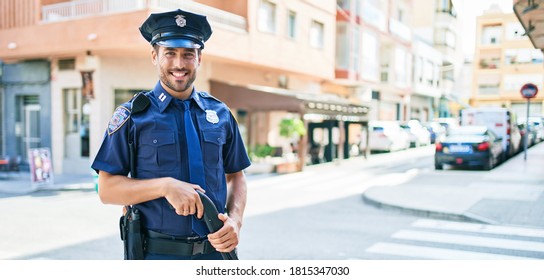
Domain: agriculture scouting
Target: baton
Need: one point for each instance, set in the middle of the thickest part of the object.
(213, 223)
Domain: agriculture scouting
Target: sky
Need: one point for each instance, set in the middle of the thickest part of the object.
(468, 10)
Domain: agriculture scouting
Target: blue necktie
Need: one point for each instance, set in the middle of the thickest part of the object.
(196, 164)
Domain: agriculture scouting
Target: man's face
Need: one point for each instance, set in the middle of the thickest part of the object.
(177, 68)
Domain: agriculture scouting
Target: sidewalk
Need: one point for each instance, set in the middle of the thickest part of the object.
(510, 194)
(20, 183)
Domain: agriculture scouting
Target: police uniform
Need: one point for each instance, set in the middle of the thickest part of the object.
(158, 134)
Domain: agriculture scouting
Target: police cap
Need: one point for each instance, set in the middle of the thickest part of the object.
(176, 29)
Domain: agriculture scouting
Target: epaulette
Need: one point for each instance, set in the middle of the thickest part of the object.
(207, 95)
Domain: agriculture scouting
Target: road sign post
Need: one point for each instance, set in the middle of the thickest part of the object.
(527, 91)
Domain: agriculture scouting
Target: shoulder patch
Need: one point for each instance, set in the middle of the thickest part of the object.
(120, 116)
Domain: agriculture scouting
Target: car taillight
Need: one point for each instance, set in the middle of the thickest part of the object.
(483, 146)
(438, 147)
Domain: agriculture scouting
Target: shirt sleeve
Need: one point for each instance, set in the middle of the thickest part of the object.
(113, 154)
(235, 156)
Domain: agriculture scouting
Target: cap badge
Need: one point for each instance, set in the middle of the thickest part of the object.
(180, 21)
(211, 116)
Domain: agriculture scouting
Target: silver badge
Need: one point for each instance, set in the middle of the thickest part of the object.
(180, 21)
(211, 116)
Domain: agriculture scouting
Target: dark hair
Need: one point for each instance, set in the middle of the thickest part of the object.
(157, 46)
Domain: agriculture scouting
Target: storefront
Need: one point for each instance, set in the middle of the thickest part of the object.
(328, 118)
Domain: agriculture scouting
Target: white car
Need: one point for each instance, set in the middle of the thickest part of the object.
(419, 135)
(387, 136)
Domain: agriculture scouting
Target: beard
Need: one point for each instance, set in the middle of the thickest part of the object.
(177, 86)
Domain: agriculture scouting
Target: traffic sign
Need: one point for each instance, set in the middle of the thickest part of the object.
(529, 90)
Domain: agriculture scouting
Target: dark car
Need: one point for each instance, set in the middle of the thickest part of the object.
(469, 146)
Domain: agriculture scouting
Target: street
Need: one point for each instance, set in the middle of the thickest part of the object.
(316, 214)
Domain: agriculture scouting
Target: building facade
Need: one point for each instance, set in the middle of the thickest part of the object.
(504, 61)
(78, 60)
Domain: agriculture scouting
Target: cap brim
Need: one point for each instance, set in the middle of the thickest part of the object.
(179, 43)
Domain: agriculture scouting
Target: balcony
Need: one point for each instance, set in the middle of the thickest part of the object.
(400, 30)
(374, 16)
(88, 8)
(491, 89)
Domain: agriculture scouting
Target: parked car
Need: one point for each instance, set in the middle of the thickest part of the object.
(536, 127)
(387, 136)
(438, 131)
(531, 134)
(447, 123)
(469, 146)
(419, 135)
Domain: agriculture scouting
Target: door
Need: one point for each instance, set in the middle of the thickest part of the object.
(76, 132)
(31, 124)
(27, 124)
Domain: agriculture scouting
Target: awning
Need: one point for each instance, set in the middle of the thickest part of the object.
(263, 98)
(530, 14)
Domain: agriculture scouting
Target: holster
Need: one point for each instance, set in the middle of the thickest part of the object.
(130, 225)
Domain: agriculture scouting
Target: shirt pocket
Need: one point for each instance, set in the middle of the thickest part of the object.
(213, 147)
(158, 150)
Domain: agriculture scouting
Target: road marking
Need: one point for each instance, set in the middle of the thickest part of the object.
(469, 240)
(478, 228)
(422, 252)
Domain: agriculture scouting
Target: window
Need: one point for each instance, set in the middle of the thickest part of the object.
(514, 31)
(344, 4)
(317, 34)
(516, 81)
(371, 55)
(445, 37)
(491, 34)
(522, 56)
(342, 46)
(67, 64)
(267, 17)
(292, 25)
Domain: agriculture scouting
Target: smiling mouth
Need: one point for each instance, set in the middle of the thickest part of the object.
(179, 74)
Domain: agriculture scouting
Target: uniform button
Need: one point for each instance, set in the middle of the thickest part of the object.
(219, 140)
(155, 141)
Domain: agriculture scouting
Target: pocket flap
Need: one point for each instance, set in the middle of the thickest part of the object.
(158, 138)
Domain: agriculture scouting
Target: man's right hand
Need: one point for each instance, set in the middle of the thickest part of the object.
(183, 197)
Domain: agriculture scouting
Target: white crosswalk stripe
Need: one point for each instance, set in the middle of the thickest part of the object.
(436, 239)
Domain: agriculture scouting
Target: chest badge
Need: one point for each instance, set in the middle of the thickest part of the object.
(211, 116)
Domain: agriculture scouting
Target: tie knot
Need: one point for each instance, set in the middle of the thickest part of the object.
(186, 104)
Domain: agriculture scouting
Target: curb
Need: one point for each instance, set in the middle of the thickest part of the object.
(428, 214)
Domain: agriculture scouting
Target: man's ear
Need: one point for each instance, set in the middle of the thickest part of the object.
(154, 56)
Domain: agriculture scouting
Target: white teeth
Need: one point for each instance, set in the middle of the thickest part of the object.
(178, 74)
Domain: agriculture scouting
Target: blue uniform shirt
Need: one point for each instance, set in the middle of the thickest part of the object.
(158, 133)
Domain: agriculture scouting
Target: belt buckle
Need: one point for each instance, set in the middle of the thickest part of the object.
(198, 247)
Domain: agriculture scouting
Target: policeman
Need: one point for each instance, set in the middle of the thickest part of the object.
(186, 140)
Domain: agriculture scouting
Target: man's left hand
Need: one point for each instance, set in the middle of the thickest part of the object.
(227, 238)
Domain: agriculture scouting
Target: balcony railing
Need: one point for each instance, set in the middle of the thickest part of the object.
(86, 8)
(400, 29)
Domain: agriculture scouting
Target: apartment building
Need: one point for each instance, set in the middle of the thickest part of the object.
(66, 65)
(439, 25)
(505, 59)
(373, 54)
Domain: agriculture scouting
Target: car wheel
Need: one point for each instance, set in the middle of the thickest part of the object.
(438, 166)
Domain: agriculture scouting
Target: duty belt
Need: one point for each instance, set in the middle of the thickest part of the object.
(159, 243)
